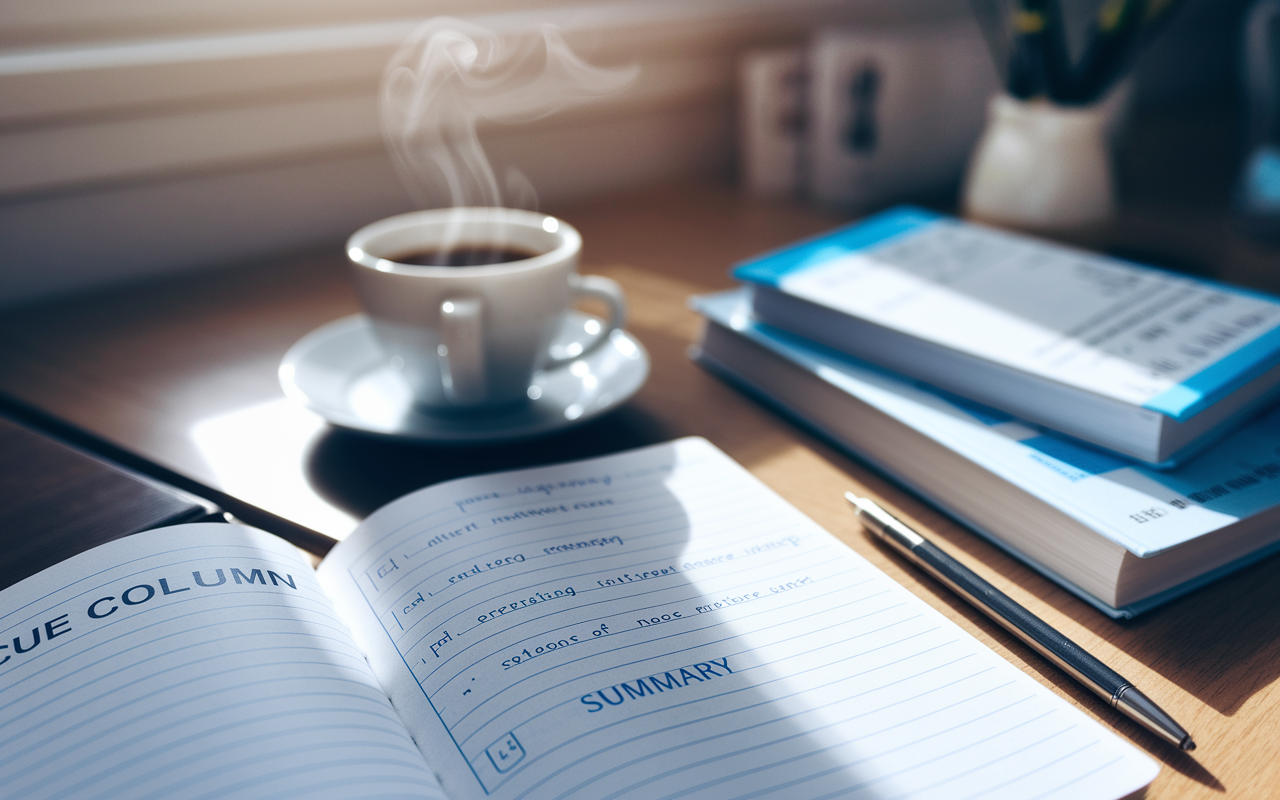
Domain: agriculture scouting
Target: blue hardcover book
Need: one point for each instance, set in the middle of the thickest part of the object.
(1121, 535)
(1142, 361)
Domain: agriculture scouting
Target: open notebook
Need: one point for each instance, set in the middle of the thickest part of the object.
(653, 624)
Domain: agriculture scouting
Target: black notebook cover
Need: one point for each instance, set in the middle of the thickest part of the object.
(57, 501)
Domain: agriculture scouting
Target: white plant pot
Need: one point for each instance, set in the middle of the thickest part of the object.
(1042, 167)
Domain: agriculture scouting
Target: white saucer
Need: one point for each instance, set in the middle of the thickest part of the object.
(339, 372)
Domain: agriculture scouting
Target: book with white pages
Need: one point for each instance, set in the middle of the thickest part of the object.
(1121, 535)
(652, 624)
(1145, 362)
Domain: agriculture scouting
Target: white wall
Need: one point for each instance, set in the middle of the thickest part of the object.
(169, 134)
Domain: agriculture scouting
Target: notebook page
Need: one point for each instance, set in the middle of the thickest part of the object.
(197, 661)
(659, 624)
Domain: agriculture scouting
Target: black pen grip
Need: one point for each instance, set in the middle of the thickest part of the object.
(1059, 647)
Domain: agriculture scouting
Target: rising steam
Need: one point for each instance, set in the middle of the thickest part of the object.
(449, 75)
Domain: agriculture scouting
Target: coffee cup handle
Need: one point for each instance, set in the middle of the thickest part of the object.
(601, 288)
(461, 351)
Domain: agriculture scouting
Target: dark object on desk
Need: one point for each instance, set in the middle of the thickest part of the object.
(1030, 45)
(1111, 46)
(1257, 198)
(57, 501)
(1027, 73)
(1027, 44)
(1030, 629)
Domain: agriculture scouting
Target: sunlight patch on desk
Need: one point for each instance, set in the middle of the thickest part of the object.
(253, 454)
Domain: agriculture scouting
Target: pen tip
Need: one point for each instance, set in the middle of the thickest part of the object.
(1187, 744)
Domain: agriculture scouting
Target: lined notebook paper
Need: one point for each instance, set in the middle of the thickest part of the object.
(659, 624)
(201, 661)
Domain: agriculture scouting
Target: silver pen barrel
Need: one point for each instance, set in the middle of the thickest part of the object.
(1030, 629)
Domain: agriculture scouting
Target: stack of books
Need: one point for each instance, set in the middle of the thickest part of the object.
(1105, 422)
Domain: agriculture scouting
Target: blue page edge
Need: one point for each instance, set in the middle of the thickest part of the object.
(1180, 402)
(1124, 612)
(768, 269)
(1219, 379)
(767, 399)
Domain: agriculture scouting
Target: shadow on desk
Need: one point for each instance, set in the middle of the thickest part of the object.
(1220, 643)
(360, 473)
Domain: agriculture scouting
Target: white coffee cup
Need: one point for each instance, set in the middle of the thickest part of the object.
(471, 337)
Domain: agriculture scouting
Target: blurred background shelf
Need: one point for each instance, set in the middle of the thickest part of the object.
(165, 137)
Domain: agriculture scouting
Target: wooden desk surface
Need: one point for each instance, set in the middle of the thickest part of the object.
(181, 374)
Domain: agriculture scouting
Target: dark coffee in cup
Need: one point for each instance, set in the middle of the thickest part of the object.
(467, 255)
(464, 338)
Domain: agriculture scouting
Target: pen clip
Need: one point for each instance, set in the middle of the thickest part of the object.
(883, 524)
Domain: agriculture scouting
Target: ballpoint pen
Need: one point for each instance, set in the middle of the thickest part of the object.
(1066, 654)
